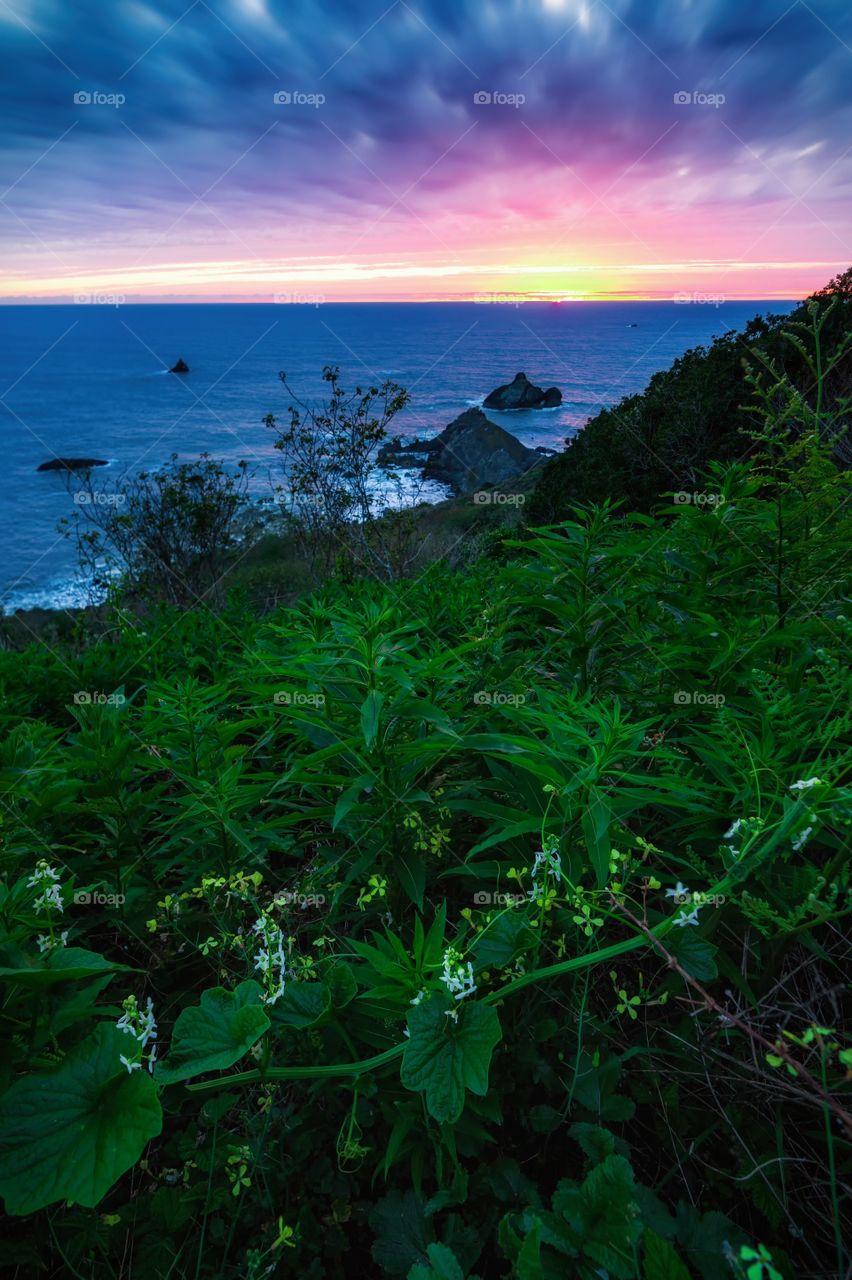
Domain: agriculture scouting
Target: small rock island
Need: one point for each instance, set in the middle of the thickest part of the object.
(521, 394)
(71, 464)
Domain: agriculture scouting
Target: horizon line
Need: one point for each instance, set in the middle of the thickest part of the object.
(686, 297)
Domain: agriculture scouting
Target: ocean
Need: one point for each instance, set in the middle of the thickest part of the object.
(91, 380)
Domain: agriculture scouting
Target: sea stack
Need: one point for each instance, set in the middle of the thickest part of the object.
(180, 367)
(521, 394)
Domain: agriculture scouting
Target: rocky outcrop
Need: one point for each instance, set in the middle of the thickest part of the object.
(521, 394)
(72, 464)
(180, 367)
(473, 452)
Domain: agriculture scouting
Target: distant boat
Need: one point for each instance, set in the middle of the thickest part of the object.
(633, 325)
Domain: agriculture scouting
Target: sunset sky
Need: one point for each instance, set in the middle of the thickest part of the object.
(144, 153)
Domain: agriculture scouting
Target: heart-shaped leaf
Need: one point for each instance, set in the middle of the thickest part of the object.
(216, 1033)
(71, 1134)
(446, 1055)
(303, 1005)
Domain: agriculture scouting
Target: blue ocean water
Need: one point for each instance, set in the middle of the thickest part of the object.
(91, 380)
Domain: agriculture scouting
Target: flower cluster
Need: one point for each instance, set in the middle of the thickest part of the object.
(546, 863)
(679, 893)
(47, 943)
(46, 879)
(457, 976)
(270, 960)
(143, 1027)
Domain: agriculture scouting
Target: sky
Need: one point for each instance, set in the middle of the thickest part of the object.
(257, 150)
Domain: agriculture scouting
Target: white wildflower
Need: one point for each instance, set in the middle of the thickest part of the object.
(684, 919)
(417, 998)
(805, 784)
(679, 891)
(46, 878)
(143, 1027)
(271, 959)
(802, 838)
(46, 943)
(733, 829)
(456, 976)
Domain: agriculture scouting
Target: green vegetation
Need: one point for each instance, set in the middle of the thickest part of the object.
(486, 923)
(663, 439)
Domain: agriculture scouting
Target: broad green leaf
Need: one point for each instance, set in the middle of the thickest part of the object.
(444, 1056)
(214, 1034)
(443, 1265)
(402, 1232)
(506, 937)
(303, 1005)
(62, 964)
(341, 983)
(695, 954)
(661, 1261)
(71, 1134)
(604, 1215)
(596, 1142)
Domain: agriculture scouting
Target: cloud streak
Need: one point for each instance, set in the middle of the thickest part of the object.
(524, 134)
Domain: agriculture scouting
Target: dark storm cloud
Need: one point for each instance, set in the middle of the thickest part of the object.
(399, 82)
